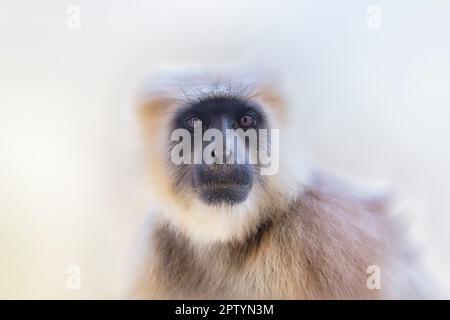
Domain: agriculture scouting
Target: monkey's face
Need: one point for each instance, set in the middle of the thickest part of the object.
(211, 147)
(220, 161)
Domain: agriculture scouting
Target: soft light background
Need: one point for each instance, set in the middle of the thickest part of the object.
(374, 105)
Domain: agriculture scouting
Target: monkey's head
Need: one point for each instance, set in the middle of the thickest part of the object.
(213, 150)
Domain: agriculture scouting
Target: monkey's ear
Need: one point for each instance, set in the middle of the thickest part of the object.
(153, 105)
(158, 95)
(152, 112)
(272, 96)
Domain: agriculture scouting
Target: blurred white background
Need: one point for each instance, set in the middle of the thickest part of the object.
(373, 105)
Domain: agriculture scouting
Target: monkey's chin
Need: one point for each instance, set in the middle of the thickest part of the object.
(223, 194)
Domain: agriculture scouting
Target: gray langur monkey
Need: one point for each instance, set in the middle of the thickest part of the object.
(223, 230)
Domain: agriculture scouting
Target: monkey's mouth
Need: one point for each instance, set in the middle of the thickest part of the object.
(223, 192)
(230, 185)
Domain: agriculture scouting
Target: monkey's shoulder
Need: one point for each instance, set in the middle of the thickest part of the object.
(332, 232)
(330, 218)
(327, 192)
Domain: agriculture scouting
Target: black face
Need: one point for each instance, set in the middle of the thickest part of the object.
(222, 182)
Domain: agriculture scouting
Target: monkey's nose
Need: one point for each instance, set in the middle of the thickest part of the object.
(222, 157)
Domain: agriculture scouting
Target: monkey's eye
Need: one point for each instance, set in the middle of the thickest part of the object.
(247, 121)
(193, 122)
